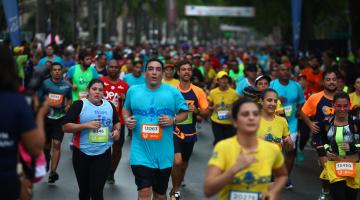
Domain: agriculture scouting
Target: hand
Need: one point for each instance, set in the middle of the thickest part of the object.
(193, 109)
(331, 156)
(165, 121)
(115, 135)
(243, 161)
(345, 146)
(93, 124)
(323, 160)
(314, 128)
(288, 143)
(74, 87)
(67, 108)
(283, 99)
(122, 96)
(130, 122)
(270, 195)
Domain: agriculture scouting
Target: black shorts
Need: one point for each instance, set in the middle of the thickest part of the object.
(53, 129)
(185, 148)
(145, 177)
(121, 140)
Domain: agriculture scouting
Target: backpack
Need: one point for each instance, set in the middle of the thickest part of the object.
(34, 167)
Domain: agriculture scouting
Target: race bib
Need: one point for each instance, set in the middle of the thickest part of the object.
(288, 111)
(83, 95)
(223, 115)
(238, 195)
(151, 132)
(345, 169)
(55, 99)
(189, 119)
(99, 135)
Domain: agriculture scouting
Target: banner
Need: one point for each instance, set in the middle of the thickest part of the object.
(12, 19)
(224, 11)
(296, 24)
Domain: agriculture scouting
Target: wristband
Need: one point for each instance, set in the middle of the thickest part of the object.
(174, 120)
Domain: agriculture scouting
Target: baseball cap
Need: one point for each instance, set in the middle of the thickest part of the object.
(221, 74)
(262, 77)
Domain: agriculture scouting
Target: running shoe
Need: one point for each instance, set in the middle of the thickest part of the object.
(53, 176)
(110, 179)
(175, 195)
(324, 196)
(289, 185)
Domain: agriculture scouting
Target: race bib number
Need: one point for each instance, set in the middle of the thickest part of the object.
(237, 195)
(288, 111)
(83, 95)
(345, 169)
(223, 115)
(151, 132)
(189, 119)
(55, 99)
(99, 135)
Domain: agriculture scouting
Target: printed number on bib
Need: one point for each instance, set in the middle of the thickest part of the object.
(237, 195)
(83, 95)
(55, 99)
(99, 135)
(151, 132)
(288, 111)
(223, 114)
(345, 169)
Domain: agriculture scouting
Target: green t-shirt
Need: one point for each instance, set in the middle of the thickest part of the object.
(81, 79)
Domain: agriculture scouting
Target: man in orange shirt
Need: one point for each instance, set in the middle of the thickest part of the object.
(313, 75)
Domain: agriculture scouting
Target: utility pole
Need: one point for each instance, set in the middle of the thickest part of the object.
(100, 22)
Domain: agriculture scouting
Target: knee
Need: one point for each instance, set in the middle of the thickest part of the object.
(178, 162)
(145, 193)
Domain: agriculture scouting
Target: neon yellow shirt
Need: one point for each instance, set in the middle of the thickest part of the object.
(355, 100)
(274, 130)
(173, 82)
(256, 177)
(224, 100)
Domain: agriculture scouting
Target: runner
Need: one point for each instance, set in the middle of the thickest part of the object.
(241, 166)
(152, 120)
(355, 96)
(58, 94)
(80, 76)
(50, 56)
(136, 77)
(273, 128)
(292, 97)
(95, 125)
(235, 72)
(185, 132)
(316, 110)
(250, 76)
(100, 65)
(220, 101)
(169, 75)
(115, 91)
(262, 82)
(341, 146)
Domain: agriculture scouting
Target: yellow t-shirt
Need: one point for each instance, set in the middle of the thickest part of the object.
(278, 106)
(124, 69)
(211, 73)
(173, 82)
(256, 177)
(355, 99)
(225, 99)
(273, 130)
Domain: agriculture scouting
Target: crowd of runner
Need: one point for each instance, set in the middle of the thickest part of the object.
(264, 105)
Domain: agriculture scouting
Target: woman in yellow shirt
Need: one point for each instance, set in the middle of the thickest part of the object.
(241, 166)
(273, 128)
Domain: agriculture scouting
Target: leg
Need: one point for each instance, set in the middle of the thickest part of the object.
(290, 156)
(56, 152)
(99, 171)
(338, 190)
(81, 167)
(177, 173)
(116, 151)
(144, 180)
(216, 129)
(161, 183)
(47, 148)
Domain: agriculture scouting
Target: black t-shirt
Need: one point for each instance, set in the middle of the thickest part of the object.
(16, 118)
(74, 111)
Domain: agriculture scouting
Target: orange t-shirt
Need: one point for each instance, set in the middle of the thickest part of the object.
(313, 80)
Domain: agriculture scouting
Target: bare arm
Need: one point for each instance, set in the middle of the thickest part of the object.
(281, 177)
(216, 180)
(73, 127)
(181, 116)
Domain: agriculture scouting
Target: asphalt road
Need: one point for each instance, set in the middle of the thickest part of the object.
(304, 176)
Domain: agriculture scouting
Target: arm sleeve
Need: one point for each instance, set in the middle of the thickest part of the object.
(74, 112)
(217, 158)
(127, 103)
(115, 117)
(301, 95)
(309, 108)
(203, 103)
(355, 146)
(210, 97)
(286, 131)
(95, 73)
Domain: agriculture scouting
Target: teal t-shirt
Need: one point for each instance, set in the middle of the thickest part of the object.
(151, 145)
(56, 93)
(131, 80)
